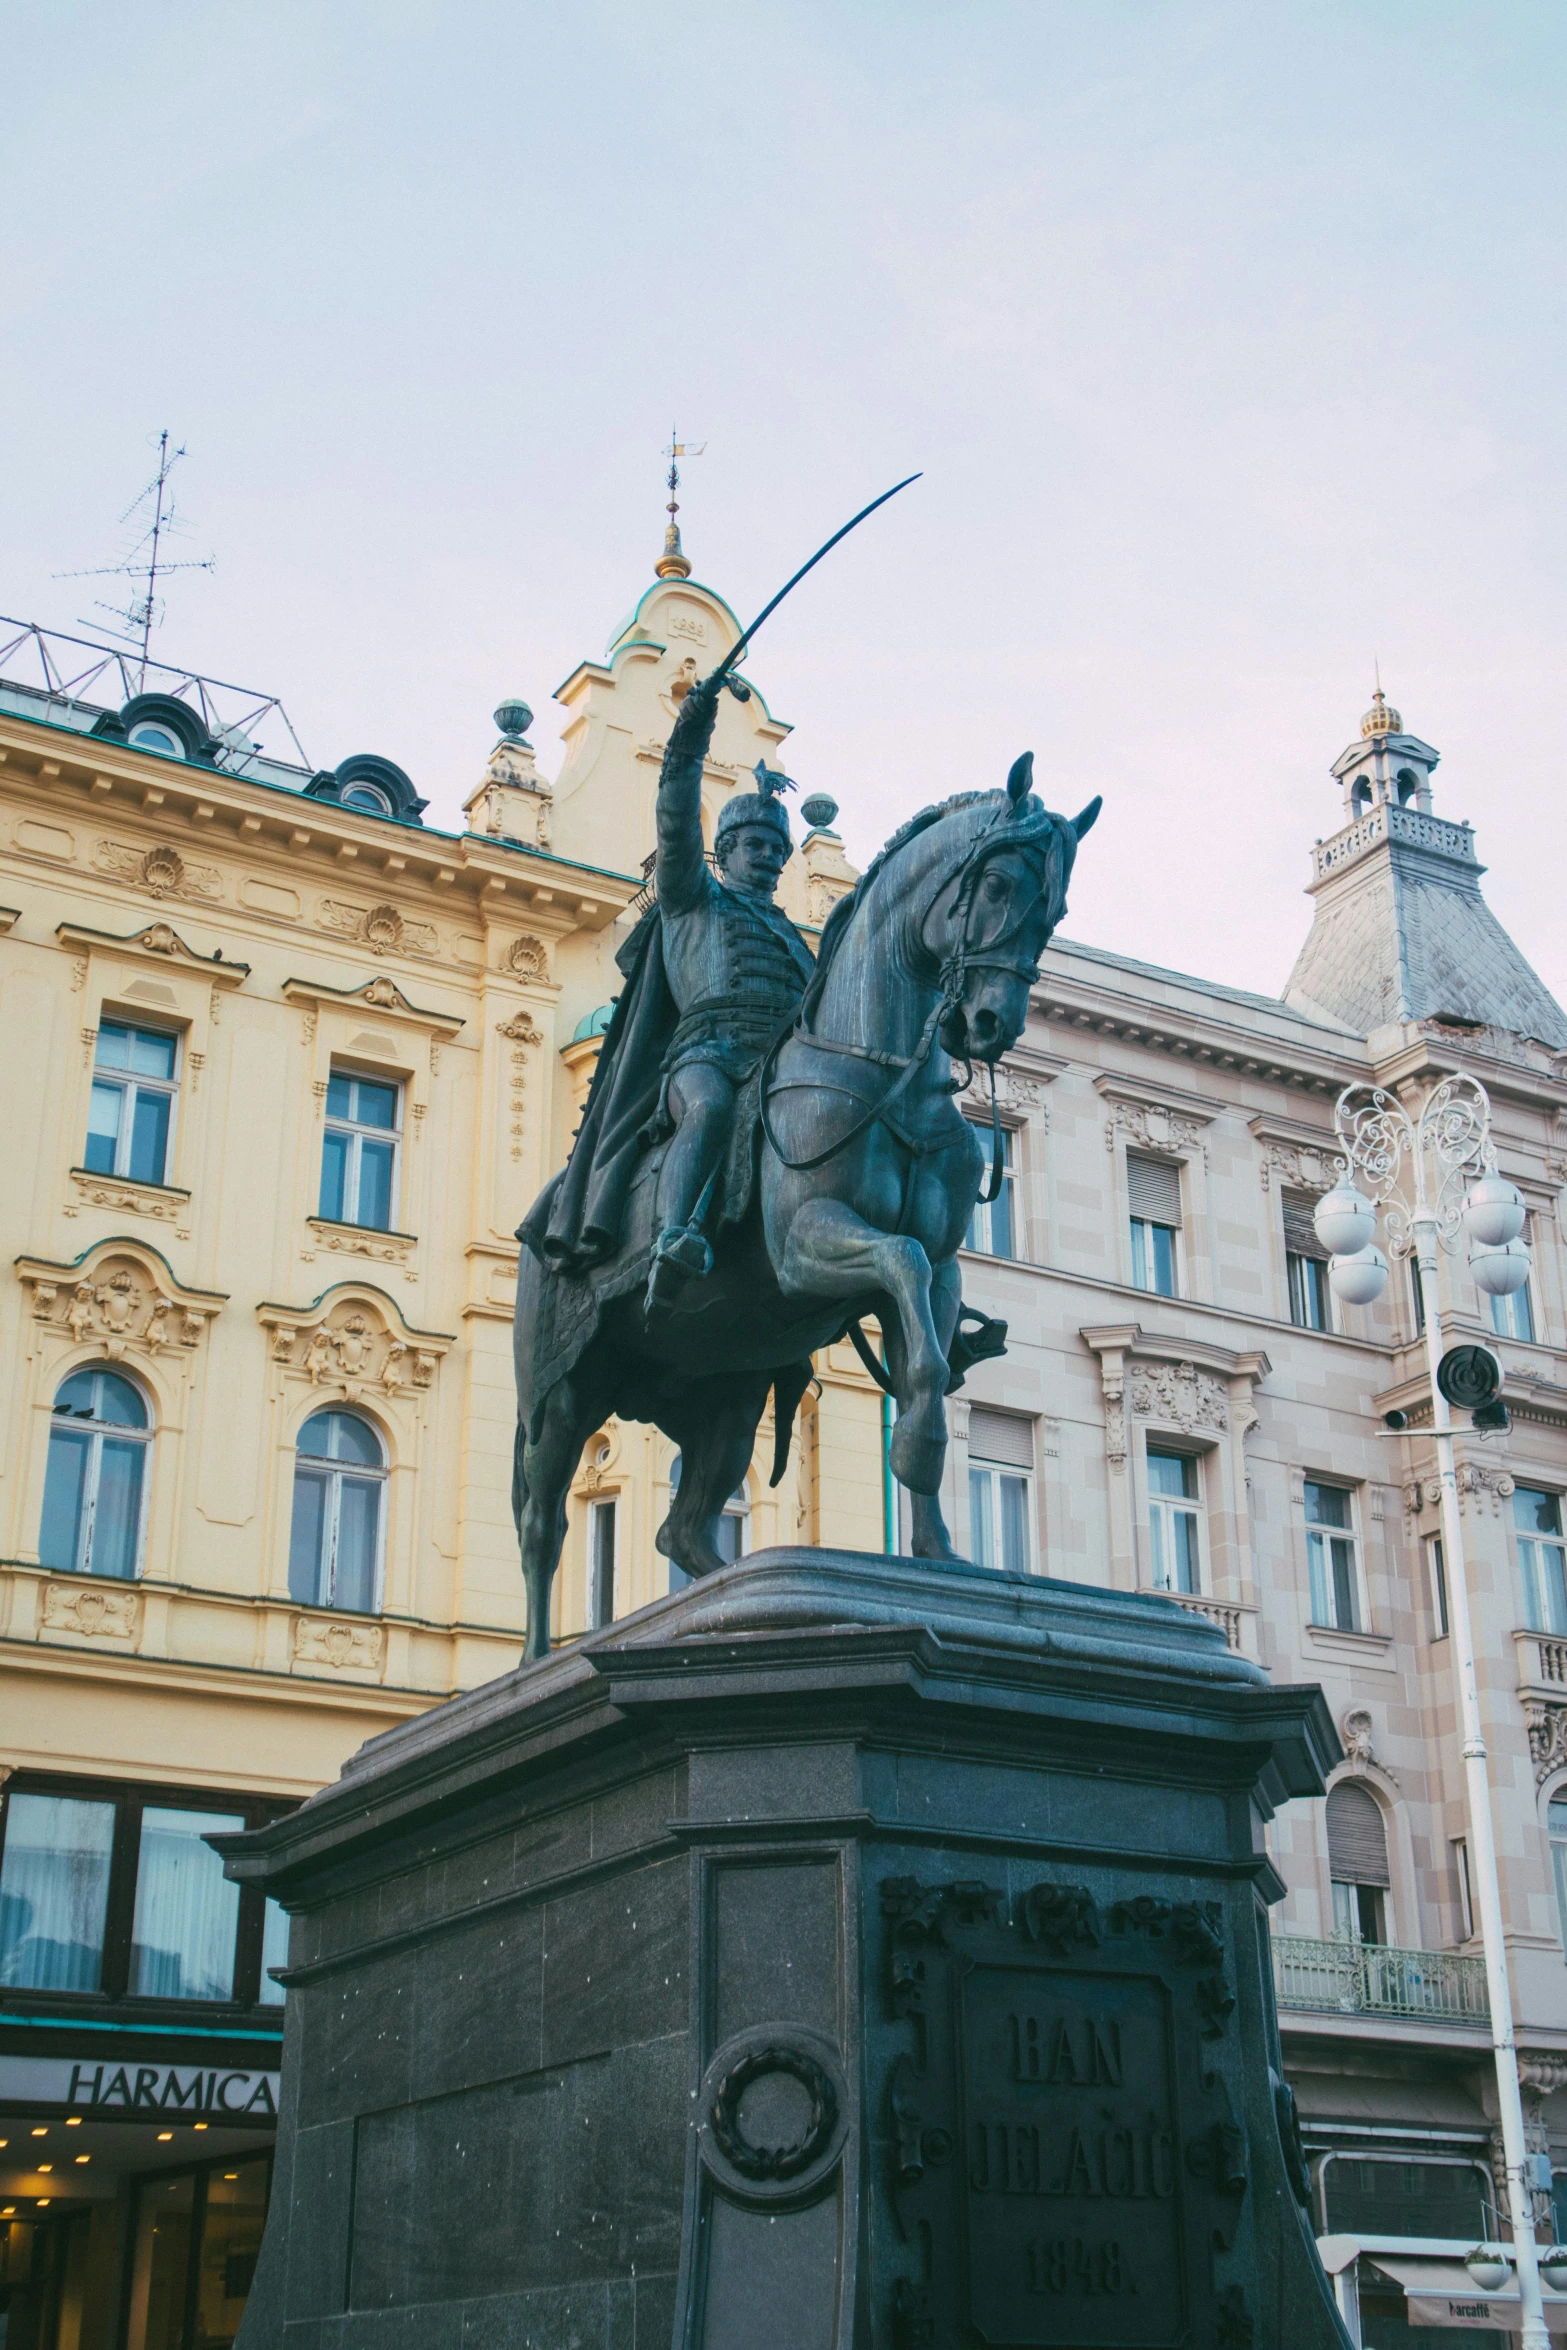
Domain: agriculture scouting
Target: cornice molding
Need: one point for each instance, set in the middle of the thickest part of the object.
(157, 943)
(381, 995)
(75, 772)
(1114, 1085)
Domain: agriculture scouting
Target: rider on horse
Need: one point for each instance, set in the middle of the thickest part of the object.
(736, 967)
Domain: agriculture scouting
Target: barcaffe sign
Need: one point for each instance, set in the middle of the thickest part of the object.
(102, 2086)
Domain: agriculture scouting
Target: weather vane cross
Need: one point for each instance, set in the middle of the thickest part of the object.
(672, 563)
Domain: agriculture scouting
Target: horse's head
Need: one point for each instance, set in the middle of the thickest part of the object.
(987, 927)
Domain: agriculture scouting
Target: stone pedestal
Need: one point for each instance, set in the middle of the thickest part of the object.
(842, 1952)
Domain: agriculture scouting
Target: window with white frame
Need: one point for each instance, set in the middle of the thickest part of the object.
(993, 1229)
(1436, 1582)
(1330, 1556)
(359, 1151)
(1153, 1189)
(602, 1516)
(1513, 1317)
(96, 1477)
(130, 1118)
(1000, 1489)
(1463, 1887)
(1542, 1554)
(1357, 1862)
(1306, 1264)
(334, 1552)
(1175, 1551)
(1556, 1829)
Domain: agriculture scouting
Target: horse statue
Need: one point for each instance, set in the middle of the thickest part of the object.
(847, 1189)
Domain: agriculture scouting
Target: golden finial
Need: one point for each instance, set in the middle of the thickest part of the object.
(672, 563)
(1381, 718)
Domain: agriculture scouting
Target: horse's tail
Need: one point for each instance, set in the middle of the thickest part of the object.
(789, 1385)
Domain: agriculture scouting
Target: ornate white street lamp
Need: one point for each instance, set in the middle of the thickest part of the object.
(1457, 1193)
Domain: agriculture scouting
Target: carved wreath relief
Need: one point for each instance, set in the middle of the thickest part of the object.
(1069, 2168)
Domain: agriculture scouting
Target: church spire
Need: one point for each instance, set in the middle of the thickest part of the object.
(672, 563)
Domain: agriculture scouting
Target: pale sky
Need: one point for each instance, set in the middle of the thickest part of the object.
(1230, 340)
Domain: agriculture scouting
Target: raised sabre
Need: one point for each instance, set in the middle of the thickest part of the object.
(736, 685)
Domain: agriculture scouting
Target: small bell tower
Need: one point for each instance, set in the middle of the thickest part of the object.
(1387, 767)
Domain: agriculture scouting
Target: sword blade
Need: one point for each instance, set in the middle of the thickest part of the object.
(731, 657)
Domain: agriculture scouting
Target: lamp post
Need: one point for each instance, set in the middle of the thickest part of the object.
(1457, 1190)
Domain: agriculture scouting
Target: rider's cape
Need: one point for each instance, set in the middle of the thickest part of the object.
(575, 1221)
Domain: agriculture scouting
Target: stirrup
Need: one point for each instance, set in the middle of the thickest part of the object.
(680, 1254)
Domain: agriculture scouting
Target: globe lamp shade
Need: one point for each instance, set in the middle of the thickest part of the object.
(1494, 1212)
(1346, 1221)
(1489, 2270)
(1500, 1271)
(1359, 1278)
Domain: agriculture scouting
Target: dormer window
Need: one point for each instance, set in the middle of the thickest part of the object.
(368, 795)
(148, 737)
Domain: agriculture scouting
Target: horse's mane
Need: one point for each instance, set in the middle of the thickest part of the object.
(844, 911)
(836, 927)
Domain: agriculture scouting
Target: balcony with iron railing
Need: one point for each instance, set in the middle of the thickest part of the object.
(1375, 1979)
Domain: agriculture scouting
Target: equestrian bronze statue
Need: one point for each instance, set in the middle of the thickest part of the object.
(771, 1151)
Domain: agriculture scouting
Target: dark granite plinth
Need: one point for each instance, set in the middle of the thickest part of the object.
(842, 1952)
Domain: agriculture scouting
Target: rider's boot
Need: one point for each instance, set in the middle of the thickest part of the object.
(680, 1254)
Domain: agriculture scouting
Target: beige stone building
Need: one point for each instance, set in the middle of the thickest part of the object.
(285, 1067)
(288, 1065)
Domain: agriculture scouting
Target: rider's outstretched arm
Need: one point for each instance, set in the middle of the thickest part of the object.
(681, 865)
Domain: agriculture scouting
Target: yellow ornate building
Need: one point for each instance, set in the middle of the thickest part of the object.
(285, 1068)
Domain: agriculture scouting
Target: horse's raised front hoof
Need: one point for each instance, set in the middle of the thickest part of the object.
(917, 1461)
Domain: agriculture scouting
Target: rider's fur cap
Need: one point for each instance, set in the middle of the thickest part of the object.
(762, 806)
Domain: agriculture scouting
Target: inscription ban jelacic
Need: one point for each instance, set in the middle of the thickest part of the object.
(1071, 2208)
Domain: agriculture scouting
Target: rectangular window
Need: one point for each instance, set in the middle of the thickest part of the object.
(993, 1227)
(1154, 1196)
(1330, 1554)
(1417, 1298)
(1000, 1482)
(359, 1152)
(110, 1892)
(1436, 1576)
(1466, 1907)
(54, 1892)
(274, 1951)
(131, 1113)
(1172, 1521)
(187, 1912)
(1306, 1261)
(1513, 1317)
(1358, 1913)
(601, 1564)
(1537, 1521)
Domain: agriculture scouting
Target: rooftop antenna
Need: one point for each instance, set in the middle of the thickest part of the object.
(672, 563)
(145, 561)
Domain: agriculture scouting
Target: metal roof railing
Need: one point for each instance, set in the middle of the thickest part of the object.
(73, 672)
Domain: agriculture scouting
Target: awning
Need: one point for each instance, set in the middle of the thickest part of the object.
(1443, 2293)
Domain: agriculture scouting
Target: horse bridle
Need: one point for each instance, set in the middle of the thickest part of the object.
(952, 977)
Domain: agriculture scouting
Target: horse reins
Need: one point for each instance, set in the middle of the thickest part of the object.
(952, 977)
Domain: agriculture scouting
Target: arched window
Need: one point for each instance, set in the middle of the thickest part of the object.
(334, 1552)
(150, 737)
(1556, 1828)
(96, 1479)
(1357, 1862)
(367, 795)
